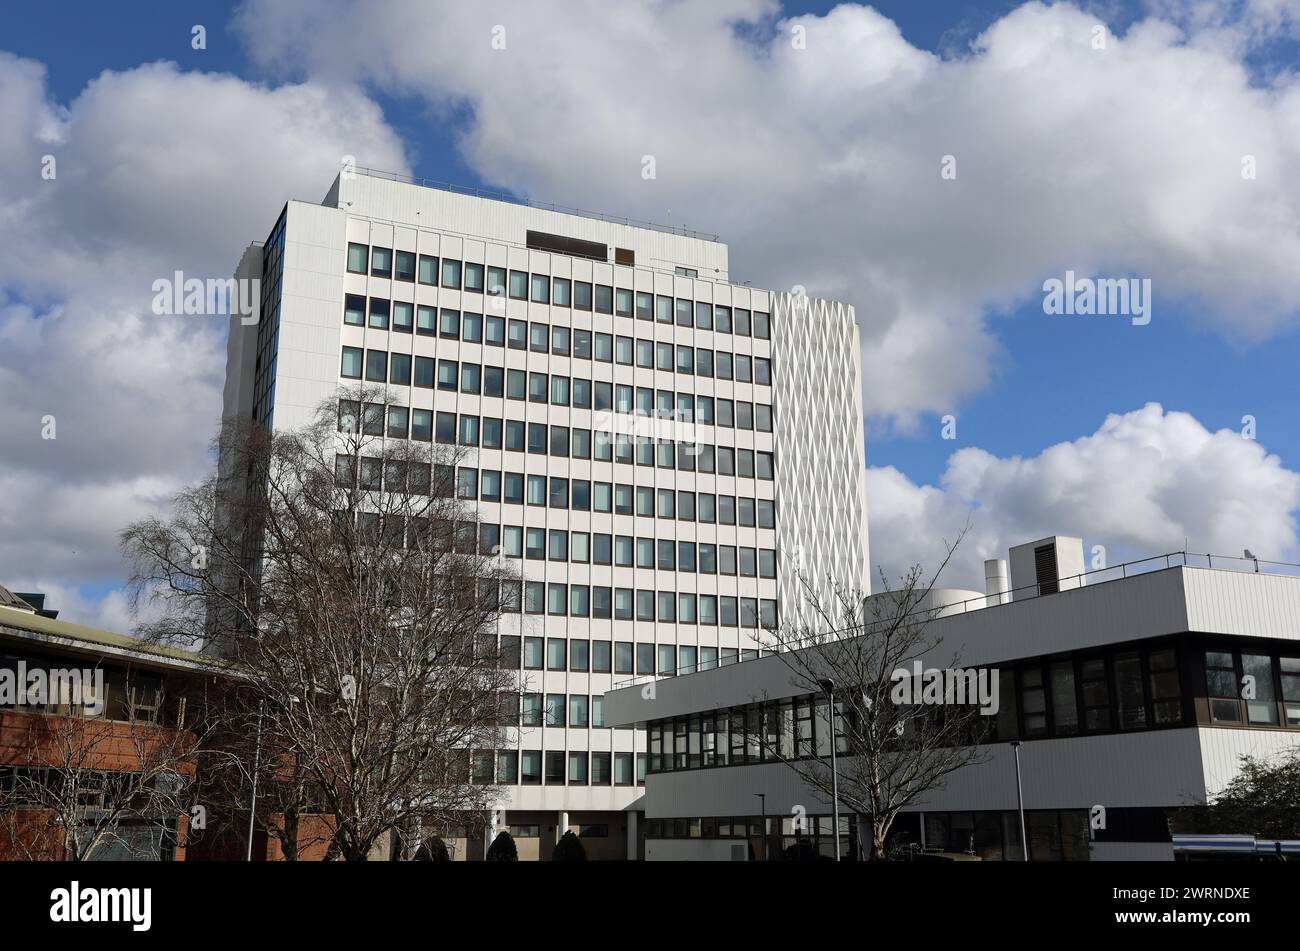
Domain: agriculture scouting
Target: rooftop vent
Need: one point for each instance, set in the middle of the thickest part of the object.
(1046, 566)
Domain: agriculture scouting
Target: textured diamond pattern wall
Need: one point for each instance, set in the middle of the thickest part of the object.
(821, 487)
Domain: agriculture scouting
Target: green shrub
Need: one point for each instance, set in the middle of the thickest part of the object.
(503, 848)
(569, 849)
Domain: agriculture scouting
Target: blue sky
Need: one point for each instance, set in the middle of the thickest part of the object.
(1054, 383)
(1045, 380)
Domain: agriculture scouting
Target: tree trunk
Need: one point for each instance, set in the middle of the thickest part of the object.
(879, 834)
(289, 846)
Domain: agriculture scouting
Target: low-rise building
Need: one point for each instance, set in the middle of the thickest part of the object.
(1135, 689)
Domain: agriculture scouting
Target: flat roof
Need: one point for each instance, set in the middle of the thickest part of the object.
(24, 627)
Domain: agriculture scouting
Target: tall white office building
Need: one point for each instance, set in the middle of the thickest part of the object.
(656, 446)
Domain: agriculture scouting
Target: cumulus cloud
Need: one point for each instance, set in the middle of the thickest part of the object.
(1146, 482)
(814, 143)
(155, 170)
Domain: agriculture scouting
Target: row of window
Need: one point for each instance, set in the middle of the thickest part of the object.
(575, 711)
(624, 551)
(1122, 689)
(468, 327)
(1253, 687)
(625, 604)
(474, 379)
(576, 600)
(563, 442)
(755, 733)
(557, 768)
(556, 291)
(376, 366)
(579, 495)
(580, 655)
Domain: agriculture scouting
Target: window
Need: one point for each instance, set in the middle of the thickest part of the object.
(451, 274)
(623, 657)
(600, 776)
(555, 709)
(555, 767)
(533, 648)
(354, 310)
(560, 292)
(1166, 698)
(404, 266)
(428, 270)
(578, 654)
(577, 769)
(1033, 701)
(1065, 710)
(1129, 695)
(555, 651)
(449, 324)
(377, 366)
(1095, 687)
(351, 367)
(578, 711)
(541, 285)
(402, 311)
(381, 262)
(1262, 706)
(507, 767)
(357, 254)
(1290, 668)
(518, 286)
(422, 424)
(471, 330)
(530, 762)
(473, 277)
(399, 372)
(582, 295)
(623, 774)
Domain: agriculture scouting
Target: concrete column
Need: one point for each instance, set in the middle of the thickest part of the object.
(498, 823)
(864, 838)
(631, 835)
(561, 826)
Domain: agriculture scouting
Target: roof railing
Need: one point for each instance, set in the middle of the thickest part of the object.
(495, 195)
(1127, 569)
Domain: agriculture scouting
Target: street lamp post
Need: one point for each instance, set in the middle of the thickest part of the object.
(829, 686)
(762, 801)
(257, 756)
(1020, 803)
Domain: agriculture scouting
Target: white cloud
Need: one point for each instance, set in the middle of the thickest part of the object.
(157, 170)
(822, 164)
(1146, 482)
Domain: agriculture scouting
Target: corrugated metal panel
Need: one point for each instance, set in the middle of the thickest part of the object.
(1222, 749)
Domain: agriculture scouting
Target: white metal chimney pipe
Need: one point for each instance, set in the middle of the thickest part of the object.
(996, 582)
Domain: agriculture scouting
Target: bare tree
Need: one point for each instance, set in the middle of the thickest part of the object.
(355, 599)
(864, 648)
(85, 787)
